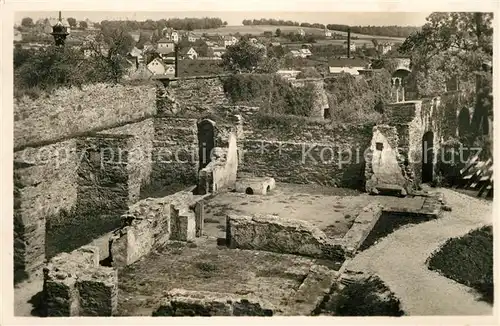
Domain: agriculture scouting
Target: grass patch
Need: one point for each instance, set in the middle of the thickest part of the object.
(366, 297)
(468, 260)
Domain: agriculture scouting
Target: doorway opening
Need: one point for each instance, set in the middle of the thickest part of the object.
(206, 142)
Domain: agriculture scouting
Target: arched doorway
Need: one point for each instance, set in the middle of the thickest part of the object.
(428, 157)
(206, 142)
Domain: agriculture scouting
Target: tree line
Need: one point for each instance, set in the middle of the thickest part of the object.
(392, 31)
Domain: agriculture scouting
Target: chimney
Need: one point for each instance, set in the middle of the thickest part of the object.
(348, 42)
(176, 50)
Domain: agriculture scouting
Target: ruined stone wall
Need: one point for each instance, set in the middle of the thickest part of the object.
(189, 96)
(76, 285)
(175, 151)
(306, 151)
(140, 163)
(320, 102)
(151, 222)
(44, 185)
(69, 112)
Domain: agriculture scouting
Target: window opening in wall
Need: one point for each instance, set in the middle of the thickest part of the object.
(379, 146)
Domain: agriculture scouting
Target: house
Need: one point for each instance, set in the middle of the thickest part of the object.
(158, 67)
(384, 47)
(301, 53)
(165, 47)
(347, 65)
(170, 34)
(328, 33)
(352, 46)
(189, 53)
(137, 55)
(275, 44)
(217, 51)
(301, 32)
(18, 36)
(288, 74)
(148, 46)
(230, 40)
(191, 37)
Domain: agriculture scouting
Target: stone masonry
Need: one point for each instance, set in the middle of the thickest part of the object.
(75, 285)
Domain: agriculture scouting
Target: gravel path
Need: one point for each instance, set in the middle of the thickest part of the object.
(399, 260)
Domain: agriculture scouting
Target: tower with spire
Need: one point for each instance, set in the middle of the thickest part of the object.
(59, 32)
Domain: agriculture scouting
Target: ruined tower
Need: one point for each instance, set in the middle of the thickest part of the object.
(59, 32)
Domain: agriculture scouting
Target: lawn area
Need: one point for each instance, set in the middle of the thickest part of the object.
(468, 260)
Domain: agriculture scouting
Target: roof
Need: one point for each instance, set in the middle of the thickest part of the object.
(345, 62)
(165, 40)
(186, 50)
(164, 50)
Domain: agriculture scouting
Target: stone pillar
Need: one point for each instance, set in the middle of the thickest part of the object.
(199, 212)
(183, 224)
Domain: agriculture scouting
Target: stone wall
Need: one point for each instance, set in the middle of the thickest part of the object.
(76, 285)
(175, 151)
(320, 102)
(44, 185)
(307, 152)
(152, 222)
(189, 96)
(272, 233)
(140, 156)
(180, 302)
(69, 112)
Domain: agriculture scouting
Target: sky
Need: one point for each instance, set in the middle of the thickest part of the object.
(236, 17)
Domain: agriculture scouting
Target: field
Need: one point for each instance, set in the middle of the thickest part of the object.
(259, 29)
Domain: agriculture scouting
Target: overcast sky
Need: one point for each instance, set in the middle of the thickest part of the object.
(235, 17)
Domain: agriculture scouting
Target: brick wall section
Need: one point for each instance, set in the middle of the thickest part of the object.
(44, 185)
(175, 151)
(68, 112)
(307, 153)
(190, 96)
(139, 158)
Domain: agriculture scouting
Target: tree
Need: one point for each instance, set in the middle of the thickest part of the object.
(453, 45)
(27, 22)
(243, 57)
(83, 25)
(278, 32)
(71, 22)
(143, 38)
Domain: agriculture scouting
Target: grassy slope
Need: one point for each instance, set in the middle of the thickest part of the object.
(259, 29)
(468, 260)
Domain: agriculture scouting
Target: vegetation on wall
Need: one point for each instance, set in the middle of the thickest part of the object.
(271, 92)
(358, 100)
(468, 260)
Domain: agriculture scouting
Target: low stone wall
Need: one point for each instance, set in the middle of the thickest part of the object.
(152, 222)
(179, 302)
(271, 233)
(75, 285)
(363, 225)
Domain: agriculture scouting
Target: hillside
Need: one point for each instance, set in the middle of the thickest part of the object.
(259, 29)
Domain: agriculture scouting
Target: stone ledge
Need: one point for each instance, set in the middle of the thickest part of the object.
(180, 302)
(271, 233)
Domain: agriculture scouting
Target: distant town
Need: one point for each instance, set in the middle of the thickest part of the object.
(200, 43)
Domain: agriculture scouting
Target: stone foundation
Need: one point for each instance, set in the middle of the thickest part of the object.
(271, 233)
(75, 285)
(152, 222)
(179, 302)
